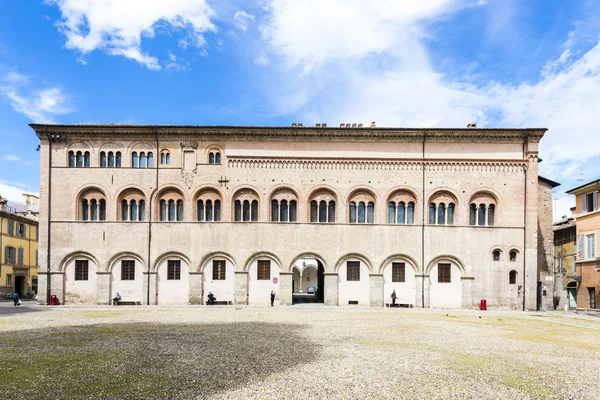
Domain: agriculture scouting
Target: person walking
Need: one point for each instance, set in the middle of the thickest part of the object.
(15, 297)
(272, 298)
(394, 298)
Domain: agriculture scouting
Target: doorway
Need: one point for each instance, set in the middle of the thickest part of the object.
(308, 281)
(20, 285)
(572, 294)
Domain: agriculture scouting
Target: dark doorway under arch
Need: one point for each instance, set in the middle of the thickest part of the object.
(307, 289)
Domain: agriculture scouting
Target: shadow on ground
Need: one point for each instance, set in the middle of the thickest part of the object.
(147, 360)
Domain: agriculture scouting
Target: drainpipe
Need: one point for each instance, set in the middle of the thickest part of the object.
(157, 158)
(524, 221)
(423, 229)
(48, 275)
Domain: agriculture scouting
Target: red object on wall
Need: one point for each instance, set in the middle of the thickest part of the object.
(483, 305)
(53, 300)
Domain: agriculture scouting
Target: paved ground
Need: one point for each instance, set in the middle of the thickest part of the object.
(297, 352)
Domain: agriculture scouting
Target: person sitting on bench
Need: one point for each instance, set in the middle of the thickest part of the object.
(116, 299)
(211, 298)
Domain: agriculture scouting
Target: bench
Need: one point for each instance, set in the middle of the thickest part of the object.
(129, 303)
(220, 303)
(399, 305)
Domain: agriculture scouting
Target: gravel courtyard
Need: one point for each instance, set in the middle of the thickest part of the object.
(296, 352)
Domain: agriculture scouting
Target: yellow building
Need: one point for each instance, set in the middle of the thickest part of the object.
(19, 257)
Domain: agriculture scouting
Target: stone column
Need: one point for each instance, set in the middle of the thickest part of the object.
(531, 229)
(422, 290)
(467, 289)
(103, 287)
(285, 288)
(150, 277)
(331, 289)
(241, 287)
(196, 288)
(377, 295)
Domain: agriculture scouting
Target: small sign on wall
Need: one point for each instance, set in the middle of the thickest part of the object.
(275, 280)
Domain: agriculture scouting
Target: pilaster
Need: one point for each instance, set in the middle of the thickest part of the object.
(331, 289)
(422, 285)
(241, 287)
(531, 232)
(196, 288)
(285, 288)
(103, 287)
(376, 290)
(150, 279)
(467, 290)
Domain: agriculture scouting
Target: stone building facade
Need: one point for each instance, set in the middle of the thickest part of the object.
(166, 214)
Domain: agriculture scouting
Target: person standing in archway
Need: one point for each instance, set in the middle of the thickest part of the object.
(272, 298)
(394, 298)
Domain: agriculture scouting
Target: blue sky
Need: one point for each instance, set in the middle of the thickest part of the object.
(439, 63)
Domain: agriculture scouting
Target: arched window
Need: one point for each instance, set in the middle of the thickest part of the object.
(72, 159)
(85, 210)
(79, 159)
(143, 160)
(103, 162)
(274, 210)
(352, 216)
(401, 212)
(211, 158)
(209, 210)
(441, 214)
(491, 210)
(135, 162)
(124, 211)
(513, 255)
(283, 211)
(238, 210)
(322, 206)
(248, 205)
(496, 255)
(142, 210)
(432, 213)
(208, 205)
(481, 215)
(179, 210)
(86, 159)
(171, 210)
(472, 214)
(150, 159)
(165, 157)
(254, 216)
(512, 277)
(163, 210)
(93, 205)
(450, 218)
(361, 207)
(410, 215)
(218, 158)
(217, 211)
(391, 212)
(246, 210)
(133, 210)
(361, 212)
(214, 157)
(111, 159)
(200, 210)
(118, 159)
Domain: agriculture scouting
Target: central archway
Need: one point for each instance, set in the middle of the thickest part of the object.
(308, 279)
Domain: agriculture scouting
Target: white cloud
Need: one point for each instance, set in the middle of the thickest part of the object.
(11, 157)
(13, 191)
(117, 26)
(262, 59)
(241, 19)
(39, 105)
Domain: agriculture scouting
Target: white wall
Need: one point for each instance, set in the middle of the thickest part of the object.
(173, 291)
(445, 295)
(80, 291)
(405, 291)
(354, 290)
(260, 291)
(129, 290)
(223, 290)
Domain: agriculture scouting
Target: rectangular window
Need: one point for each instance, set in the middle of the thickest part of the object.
(592, 294)
(444, 273)
(21, 254)
(81, 270)
(10, 256)
(264, 270)
(128, 270)
(173, 270)
(8, 280)
(21, 230)
(398, 272)
(590, 202)
(11, 227)
(591, 246)
(218, 270)
(353, 271)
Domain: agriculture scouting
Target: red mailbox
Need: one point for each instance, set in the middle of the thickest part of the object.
(53, 300)
(483, 305)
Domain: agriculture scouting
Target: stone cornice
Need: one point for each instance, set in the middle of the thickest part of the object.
(253, 133)
(377, 164)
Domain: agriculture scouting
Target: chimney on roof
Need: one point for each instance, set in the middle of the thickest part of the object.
(324, 125)
(342, 125)
(354, 125)
(318, 125)
(294, 124)
(3, 203)
(360, 125)
(300, 125)
(472, 125)
(373, 124)
(348, 124)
